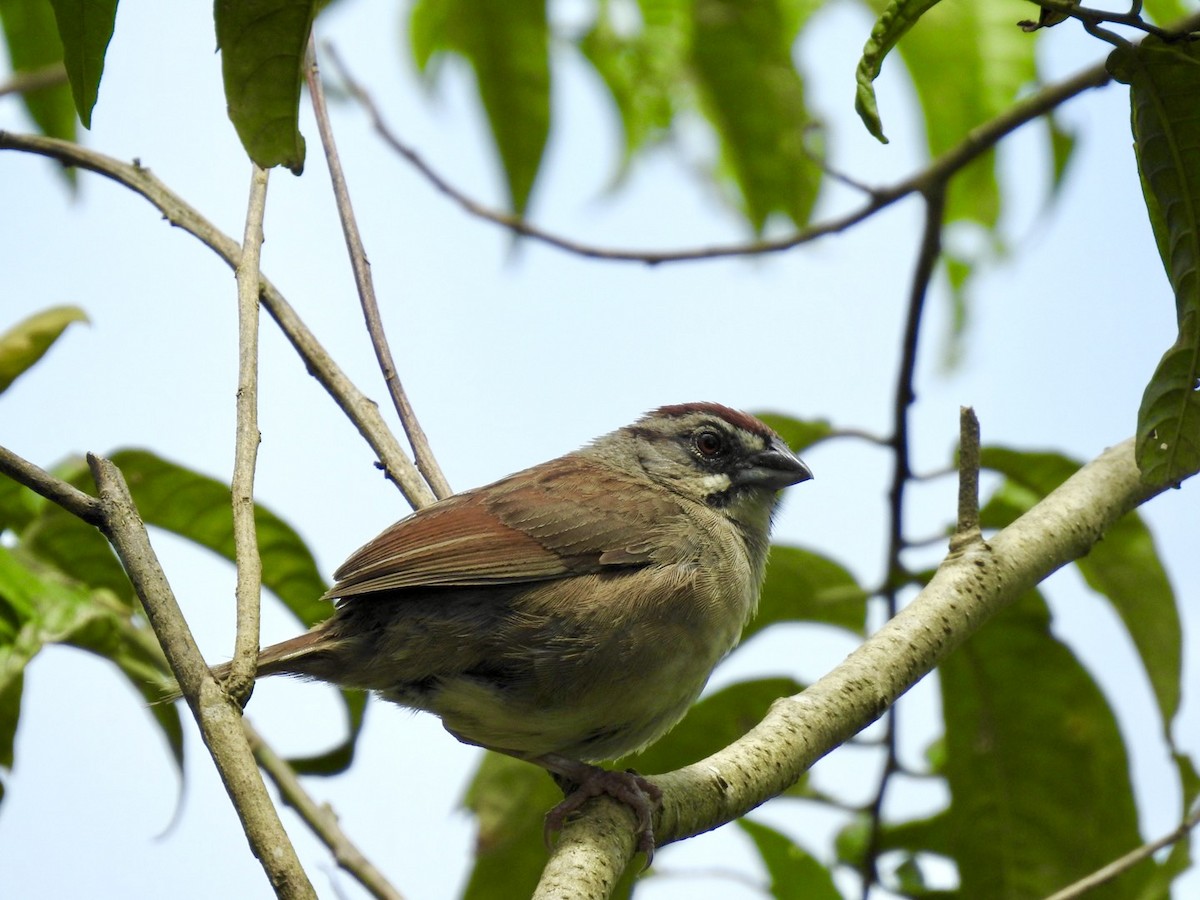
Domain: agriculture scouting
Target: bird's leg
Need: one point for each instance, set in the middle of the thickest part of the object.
(582, 781)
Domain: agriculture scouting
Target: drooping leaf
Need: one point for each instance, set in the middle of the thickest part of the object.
(506, 42)
(1168, 432)
(18, 645)
(86, 27)
(929, 835)
(1124, 568)
(1037, 768)
(27, 341)
(742, 49)
(795, 874)
(802, 586)
(197, 508)
(1062, 146)
(42, 607)
(798, 433)
(895, 20)
(1163, 82)
(73, 547)
(262, 45)
(968, 63)
(715, 722)
(643, 70)
(1166, 12)
(31, 34)
(510, 799)
(18, 505)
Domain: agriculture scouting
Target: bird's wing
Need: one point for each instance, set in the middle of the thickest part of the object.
(543, 523)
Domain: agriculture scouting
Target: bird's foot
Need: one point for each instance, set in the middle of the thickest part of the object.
(638, 793)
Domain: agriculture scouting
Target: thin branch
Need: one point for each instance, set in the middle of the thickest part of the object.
(27, 82)
(799, 730)
(219, 718)
(967, 530)
(320, 819)
(360, 409)
(1128, 861)
(245, 456)
(1092, 17)
(426, 462)
(905, 395)
(975, 144)
(57, 491)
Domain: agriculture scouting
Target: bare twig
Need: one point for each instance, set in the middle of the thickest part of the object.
(905, 395)
(800, 730)
(361, 410)
(1128, 861)
(976, 143)
(967, 531)
(1092, 17)
(246, 440)
(57, 491)
(25, 82)
(426, 462)
(320, 819)
(219, 719)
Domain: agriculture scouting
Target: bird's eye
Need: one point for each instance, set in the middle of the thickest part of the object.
(709, 443)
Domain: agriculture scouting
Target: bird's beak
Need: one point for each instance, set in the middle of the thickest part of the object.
(776, 467)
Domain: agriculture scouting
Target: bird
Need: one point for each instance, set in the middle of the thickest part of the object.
(570, 613)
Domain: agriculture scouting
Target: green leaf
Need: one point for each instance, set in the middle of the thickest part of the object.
(799, 434)
(42, 607)
(743, 49)
(929, 835)
(506, 42)
(27, 341)
(31, 33)
(1124, 568)
(73, 547)
(1163, 83)
(795, 874)
(198, 508)
(510, 799)
(713, 723)
(1166, 12)
(86, 27)
(1062, 146)
(894, 21)
(807, 587)
(1038, 773)
(337, 759)
(644, 71)
(18, 505)
(1168, 431)
(18, 645)
(262, 55)
(968, 64)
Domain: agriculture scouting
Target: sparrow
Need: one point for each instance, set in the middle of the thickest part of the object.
(572, 612)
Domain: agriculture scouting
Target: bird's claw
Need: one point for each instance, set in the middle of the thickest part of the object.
(639, 794)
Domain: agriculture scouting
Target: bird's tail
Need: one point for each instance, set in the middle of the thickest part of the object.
(283, 658)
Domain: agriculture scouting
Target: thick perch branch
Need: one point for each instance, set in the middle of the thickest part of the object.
(969, 588)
